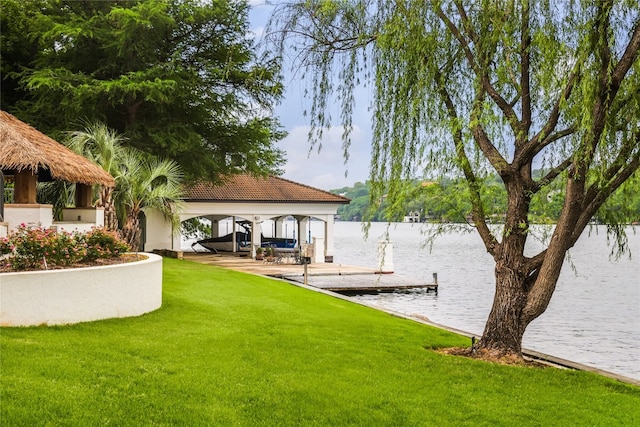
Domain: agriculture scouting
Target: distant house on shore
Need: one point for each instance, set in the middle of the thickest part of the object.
(413, 216)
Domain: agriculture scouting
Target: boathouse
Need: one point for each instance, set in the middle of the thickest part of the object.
(253, 199)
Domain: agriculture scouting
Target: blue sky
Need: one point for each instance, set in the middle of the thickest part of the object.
(325, 169)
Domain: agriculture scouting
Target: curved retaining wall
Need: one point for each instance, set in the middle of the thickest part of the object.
(57, 297)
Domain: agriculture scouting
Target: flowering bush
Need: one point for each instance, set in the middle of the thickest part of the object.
(36, 248)
(103, 244)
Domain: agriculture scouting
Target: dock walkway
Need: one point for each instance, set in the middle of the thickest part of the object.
(363, 283)
(327, 276)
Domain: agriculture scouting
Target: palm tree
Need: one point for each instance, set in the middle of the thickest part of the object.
(104, 147)
(143, 183)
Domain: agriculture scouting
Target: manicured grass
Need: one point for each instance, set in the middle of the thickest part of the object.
(232, 349)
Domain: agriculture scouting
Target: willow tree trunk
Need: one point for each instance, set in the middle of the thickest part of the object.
(507, 321)
(521, 297)
(505, 325)
(524, 286)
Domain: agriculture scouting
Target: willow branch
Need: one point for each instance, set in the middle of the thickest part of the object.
(533, 264)
(541, 140)
(468, 27)
(458, 35)
(525, 78)
(478, 215)
(494, 156)
(553, 173)
(628, 57)
(480, 72)
(595, 198)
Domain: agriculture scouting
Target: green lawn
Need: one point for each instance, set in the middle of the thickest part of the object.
(232, 349)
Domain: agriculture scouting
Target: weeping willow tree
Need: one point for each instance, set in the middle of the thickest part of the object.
(479, 87)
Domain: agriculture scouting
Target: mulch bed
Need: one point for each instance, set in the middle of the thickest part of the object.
(491, 357)
(125, 258)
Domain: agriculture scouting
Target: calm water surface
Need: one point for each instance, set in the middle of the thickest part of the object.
(593, 317)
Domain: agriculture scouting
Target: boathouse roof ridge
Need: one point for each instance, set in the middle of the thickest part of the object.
(248, 188)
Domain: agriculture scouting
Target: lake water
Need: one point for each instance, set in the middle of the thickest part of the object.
(593, 317)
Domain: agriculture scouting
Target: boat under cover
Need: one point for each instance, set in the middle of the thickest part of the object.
(243, 242)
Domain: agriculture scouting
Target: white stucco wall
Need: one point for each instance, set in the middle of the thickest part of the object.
(161, 236)
(56, 297)
(92, 215)
(74, 219)
(31, 215)
(73, 227)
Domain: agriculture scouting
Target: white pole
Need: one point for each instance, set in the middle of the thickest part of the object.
(385, 256)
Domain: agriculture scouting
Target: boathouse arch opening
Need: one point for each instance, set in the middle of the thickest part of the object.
(296, 230)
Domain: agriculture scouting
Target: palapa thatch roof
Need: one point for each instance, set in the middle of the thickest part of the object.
(23, 147)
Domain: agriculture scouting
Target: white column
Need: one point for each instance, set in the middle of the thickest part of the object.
(318, 250)
(174, 235)
(296, 230)
(329, 247)
(234, 237)
(256, 234)
(215, 226)
(279, 226)
(303, 230)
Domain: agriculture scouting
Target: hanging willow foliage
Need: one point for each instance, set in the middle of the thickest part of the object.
(468, 88)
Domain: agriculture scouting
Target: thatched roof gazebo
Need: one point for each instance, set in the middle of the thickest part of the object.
(30, 156)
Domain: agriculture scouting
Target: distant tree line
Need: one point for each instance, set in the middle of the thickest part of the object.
(447, 200)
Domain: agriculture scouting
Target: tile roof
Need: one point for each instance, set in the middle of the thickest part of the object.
(273, 189)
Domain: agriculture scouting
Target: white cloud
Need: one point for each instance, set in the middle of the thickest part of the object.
(326, 169)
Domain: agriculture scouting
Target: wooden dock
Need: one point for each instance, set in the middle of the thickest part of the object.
(363, 283)
(334, 277)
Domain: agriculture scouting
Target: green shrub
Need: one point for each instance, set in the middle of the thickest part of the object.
(103, 244)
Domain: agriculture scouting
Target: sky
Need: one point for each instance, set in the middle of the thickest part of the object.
(325, 169)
